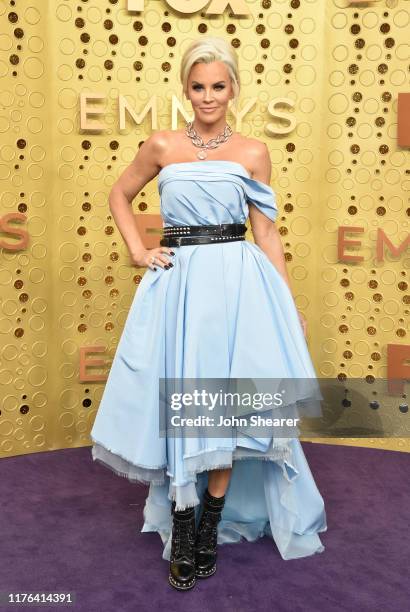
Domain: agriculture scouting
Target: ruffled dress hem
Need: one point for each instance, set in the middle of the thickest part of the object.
(184, 493)
(276, 503)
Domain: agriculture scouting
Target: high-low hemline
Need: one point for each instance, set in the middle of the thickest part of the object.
(222, 311)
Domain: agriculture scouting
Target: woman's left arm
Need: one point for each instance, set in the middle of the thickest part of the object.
(264, 230)
(267, 237)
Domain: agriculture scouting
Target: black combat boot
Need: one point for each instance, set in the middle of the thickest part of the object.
(182, 559)
(207, 535)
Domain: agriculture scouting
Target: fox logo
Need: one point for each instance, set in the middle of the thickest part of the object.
(216, 7)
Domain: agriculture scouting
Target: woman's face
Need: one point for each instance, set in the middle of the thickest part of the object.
(209, 90)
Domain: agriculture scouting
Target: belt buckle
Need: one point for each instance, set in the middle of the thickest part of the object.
(221, 230)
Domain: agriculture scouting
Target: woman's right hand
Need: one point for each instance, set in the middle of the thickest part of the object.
(151, 258)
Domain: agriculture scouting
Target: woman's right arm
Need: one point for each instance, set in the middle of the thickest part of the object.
(142, 169)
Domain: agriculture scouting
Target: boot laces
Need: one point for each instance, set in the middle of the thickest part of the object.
(183, 540)
(207, 530)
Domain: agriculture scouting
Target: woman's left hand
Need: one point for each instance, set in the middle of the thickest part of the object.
(303, 322)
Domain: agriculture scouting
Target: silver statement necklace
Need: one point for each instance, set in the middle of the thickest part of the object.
(211, 144)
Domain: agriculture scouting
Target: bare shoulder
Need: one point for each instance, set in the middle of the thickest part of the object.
(165, 143)
(258, 158)
(256, 149)
(145, 165)
(158, 141)
(157, 146)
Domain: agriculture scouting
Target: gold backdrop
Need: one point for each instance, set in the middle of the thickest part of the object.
(320, 84)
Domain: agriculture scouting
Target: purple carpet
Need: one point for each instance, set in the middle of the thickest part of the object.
(70, 525)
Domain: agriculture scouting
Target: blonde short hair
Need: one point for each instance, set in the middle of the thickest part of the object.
(211, 49)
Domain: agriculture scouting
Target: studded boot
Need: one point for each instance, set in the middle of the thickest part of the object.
(207, 535)
(182, 559)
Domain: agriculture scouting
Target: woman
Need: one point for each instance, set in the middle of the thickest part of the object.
(211, 305)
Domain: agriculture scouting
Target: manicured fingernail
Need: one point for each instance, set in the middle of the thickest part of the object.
(154, 268)
(170, 265)
(172, 252)
(166, 267)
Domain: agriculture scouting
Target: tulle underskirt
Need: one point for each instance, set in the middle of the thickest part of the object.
(269, 494)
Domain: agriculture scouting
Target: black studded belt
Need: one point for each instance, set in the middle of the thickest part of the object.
(179, 235)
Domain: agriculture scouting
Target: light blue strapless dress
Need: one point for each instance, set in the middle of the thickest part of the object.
(222, 311)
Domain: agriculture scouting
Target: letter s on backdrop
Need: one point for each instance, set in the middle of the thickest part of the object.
(14, 231)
